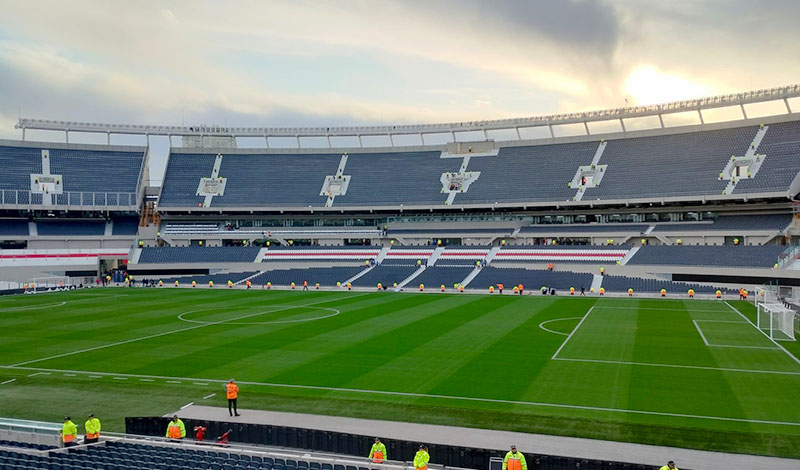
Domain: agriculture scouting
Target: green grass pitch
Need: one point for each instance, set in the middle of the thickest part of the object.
(666, 372)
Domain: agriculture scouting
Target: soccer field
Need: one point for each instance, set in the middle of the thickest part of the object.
(667, 372)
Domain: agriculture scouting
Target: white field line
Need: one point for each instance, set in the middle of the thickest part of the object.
(541, 325)
(187, 405)
(146, 380)
(208, 396)
(120, 378)
(189, 328)
(659, 308)
(174, 381)
(58, 304)
(39, 373)
(701, 332)
(760, 331)
(678, 366)
(743, 347)
(455, 398)
(199, 383)
(721, 321)
(7, 381)
(572, 333)
(95, 376)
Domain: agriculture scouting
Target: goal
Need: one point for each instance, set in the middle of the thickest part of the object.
(48, 284)
(776, 320)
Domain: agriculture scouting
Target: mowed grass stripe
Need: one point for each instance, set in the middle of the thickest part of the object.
(664, 339)
(366, 344)
(130, 340)
(432, 362)
(510, 366)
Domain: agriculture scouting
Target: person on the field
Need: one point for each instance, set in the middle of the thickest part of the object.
(92, 427)
(232, 392)
(422, 458)
(305, 285)
(378, 451)
(669, 466)
(514, 460)
(176, 429)
(69, 432)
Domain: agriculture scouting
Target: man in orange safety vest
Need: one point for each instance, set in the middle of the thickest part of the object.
(514, 460)
(232, 392)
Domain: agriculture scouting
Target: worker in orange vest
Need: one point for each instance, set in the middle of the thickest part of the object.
(500, 287)
(176, 429)
(69, 433)
(305, 285)
(719, 294)
(232, 392)
(514, 460)
(92, 430)
(520, 289)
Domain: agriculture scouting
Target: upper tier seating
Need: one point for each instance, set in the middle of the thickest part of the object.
(563, 253)
(70, 228)
(199, 254)
(685, 164)
(731, 223)
(350, 253)
(90, 177)
(395, 178)
(519, 174)
(531, 279)
(670, 165)
(723, 256)
(14, 227)
(781, 145)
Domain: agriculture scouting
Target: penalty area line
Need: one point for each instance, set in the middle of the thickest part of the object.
(446, 397)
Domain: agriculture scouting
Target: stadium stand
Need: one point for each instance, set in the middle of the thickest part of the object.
(199, 254)
(71, 228)
(669, 165)
(182, 178)
(724, 256)
(573, 254)
(732, 223)
(519, 174)
(14, 227)
(531, 279)
(623, 283)
(585, 228)
(273, 180)
(385, 274)
(437, 275)
(395, 178)
(25, 445)
(125, 226)
(781, 145)
(325, 276)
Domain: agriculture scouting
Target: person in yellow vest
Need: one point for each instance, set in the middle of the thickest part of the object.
(669, 466)
(210, 283)
(460, 288)
(514, 460)
(292, 285)
(571, 291)
(719, 294)
(630, 291)
(491, 289)
(269, 285)
(421, 287)
(691, 293)
(663, 292)
(176, 283)
(422, 458)
(602, 291)
(349, 286)
(232, 392)
(230, 283)
(316, 285)
(378, 451)
(194, 283)
(92, 427)
(176, 429)
(160, 283)
(69, 433)
(380, 286)
(441, 287)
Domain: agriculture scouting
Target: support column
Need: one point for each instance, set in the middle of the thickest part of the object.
(622, 123)
(785, 101)
(552, 135)
(700, 113)
(266, 140)
(108, 138)
(586, 126)
(741, 105)
(66, 132)
(519, 137)
(661, 120)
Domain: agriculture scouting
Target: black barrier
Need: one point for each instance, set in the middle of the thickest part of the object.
(358, 445)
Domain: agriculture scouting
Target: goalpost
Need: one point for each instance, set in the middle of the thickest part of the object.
(773, 318)
(48, 284)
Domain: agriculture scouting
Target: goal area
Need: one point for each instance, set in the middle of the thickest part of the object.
(774, 318)
(47, 284)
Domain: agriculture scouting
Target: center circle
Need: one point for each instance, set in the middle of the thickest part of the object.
(320, 313)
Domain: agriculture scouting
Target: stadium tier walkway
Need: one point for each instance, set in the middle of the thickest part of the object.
(501, 440)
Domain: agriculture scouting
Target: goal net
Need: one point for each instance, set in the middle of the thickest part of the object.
(48, 284)
(773, 318)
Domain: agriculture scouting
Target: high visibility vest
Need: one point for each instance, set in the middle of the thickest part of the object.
(232, 390)
(514, 461)
(421, 460)
(176, 430)
(69, 432)
(719, 294)
(378, 452)
(92, 428)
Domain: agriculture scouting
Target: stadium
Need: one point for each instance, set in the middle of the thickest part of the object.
(604, 289)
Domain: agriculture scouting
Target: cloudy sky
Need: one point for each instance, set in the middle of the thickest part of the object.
(301, 62)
